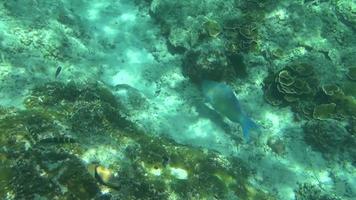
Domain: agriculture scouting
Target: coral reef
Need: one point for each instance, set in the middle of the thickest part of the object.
(44, 146)
(324, 106)
(298, 86)
(212, 46)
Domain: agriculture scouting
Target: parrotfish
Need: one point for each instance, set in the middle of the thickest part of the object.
(223, 100)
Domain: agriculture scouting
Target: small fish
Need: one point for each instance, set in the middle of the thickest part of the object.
(222, 98)
(57, 140)
(58, 71)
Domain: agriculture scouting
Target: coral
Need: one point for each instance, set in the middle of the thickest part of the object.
(295, 85)
(88, 107)
(200, 65)
(213, 64)
(29, 183)
(44, 173)
(95, 116)
(308, 192)
(97, 91)
(240, 34)
(324, 111)
(327, 136)
(331, 90)
(53, 93)
(213, 45)
(21, 129)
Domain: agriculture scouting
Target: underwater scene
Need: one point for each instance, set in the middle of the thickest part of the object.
(178, 99)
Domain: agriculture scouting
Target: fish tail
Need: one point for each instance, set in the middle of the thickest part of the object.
(248, 125)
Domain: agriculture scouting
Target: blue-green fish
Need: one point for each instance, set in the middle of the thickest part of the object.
(222, 98)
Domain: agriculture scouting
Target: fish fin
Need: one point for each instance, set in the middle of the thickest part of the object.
(247, 124)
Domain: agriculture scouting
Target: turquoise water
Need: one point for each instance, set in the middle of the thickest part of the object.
(108, 99)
